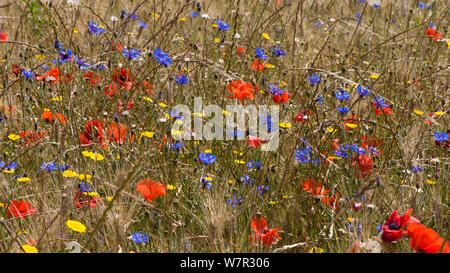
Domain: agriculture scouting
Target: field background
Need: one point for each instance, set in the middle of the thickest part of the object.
(387, 51)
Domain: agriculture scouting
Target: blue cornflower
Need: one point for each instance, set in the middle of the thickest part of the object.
(416, 169)
(236, 133)
(358, 16)
(319, 99)
(380, 102)
(194, 14)
(431, 25)
(207, 158)
(260, 53)
(51, 166)
(441, 136)
(422, 5)
(222, 25)
(303, 154)
(132, 53)
(162, 57)
(81, 63)
(262, 189)
(376, 6)
(275, 90)
(430, 6)
(28, 74)
(85, 187)
(277, 51)
(363, 91)
(373, 150)
(11, 166)
(65, 55)
(314, 79)
(96, 29)
(318, 23)
(177, 146)
(343, 109)
(45, 67)
(142, 24)
(139, 237)
(181, 79)
(254, 164)
(246, 180)
(175, 114)
(124, 14)
(235, 201)
(58, 45)
(342, 94)
(100, 67)
(206, 182)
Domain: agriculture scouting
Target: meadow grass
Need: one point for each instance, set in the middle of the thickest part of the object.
(386, 50)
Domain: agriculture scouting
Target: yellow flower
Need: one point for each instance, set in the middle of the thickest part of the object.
(13, 137)
(239, 161)
(269, 65)
(76, 226)
(331, 130)
(91, 193)
(266, 36)
(23, 179)
(418, 112)
(176, 132)
(216, 40)
(155, 15)
(147, 98)
(29, 249)
(208, 151)
(56, 98)
(431, 182)
(171, 187)
(8, 171)
(147, 134)
(75, 30)
(351, 125)
(87, 153)
(374, 76)
(182, 19)
(109, 198)
(69, 173)
(230, 181)
(84, 176)
(316, 250)
(97, 157)
(285, 125)
(439, 113)
(162, 104)
(40, 57)
(273, 202)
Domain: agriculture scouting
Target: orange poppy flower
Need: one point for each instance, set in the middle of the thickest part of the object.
(365, 166)
(263, 233)
(118, 135)
(426, 240)
(241, 90)
(52, 117)
(257, 65)
(147, 87)
(151, 189)
(433, 34)
(333, 201)
(241, 51)
(20, 209)
(3, 37)
(314, 187)
(52, 76)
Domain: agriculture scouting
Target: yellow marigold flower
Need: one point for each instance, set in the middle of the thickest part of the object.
(8, 171)
(208, 151)
(76, 226)
(351, 125)
(84, 176)
(29, 249)
(97, 157)
(69, 173)
(13, 137)
(374, 76)
(171, 187)
(239, 161)
(87, 153)
(269, 66)
(23, 179)
(147, 134)
(91, 193)
(266, 36)
(439, 113)
(162, 104)
(109, 198)
(418, 112)
(147, 98)
(285, 125)
(230, 181)
(431, 182)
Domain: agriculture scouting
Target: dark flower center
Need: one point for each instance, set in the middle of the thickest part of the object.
(394, 226)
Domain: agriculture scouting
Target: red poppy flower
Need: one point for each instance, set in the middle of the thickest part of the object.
(314, 187)
(283, 98)
(263, 233)
(52, 76)
(371, 141)
(278, 2)
(304, 115)
(151, 189)
(93, 132)
(386, 110)
(257, 65)
(433, 34)
(116, 135)
(393, 228)
(112, 89)
(241, 51)
(17, 70)
(129, 105)
(20, 209)
(333, 201)
(81, 199)
(426, 240)
(94, 79)
(30, 137)
(122, 76)
(52, 117)
(147, 87)
(365, 165)
(3, 37)
(241, 90)
(117, 46)
(254, 141)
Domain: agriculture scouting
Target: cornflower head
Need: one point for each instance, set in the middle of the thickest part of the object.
(96, 29)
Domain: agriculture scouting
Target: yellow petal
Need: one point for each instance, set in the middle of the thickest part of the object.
(266, 36)
(418, 112)
(23, 179)
(13, 137)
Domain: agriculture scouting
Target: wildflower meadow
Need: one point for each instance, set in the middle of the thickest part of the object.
(224, 126)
